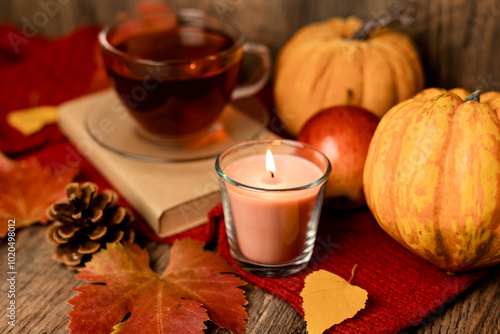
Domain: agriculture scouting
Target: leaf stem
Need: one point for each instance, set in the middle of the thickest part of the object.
(352, 273)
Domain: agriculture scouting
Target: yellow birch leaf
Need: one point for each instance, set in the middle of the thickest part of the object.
(328, 299)
(32, 120)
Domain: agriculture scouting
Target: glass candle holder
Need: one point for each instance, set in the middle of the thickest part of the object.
(272, 194)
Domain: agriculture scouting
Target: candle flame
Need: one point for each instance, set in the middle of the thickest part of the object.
(271, 168)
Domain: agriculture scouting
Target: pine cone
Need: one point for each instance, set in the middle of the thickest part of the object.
(85, 222)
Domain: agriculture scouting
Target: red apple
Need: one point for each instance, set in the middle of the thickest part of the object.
(343, 134)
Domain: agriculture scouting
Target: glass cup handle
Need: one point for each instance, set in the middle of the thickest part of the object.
(250, 88)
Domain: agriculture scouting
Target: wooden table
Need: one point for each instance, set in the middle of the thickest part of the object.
(43, 287)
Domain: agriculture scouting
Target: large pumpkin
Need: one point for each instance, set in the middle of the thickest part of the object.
(432, 177)
(321, 66)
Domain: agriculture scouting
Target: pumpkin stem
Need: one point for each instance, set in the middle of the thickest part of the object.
(402, 12)
(474, 96)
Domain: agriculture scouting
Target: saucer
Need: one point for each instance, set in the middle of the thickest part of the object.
(110, 125)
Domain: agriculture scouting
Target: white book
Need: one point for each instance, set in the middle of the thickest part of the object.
(171, 196)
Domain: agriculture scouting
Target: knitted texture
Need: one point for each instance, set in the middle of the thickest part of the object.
(35, 71)
(402, 288)
(38, 71)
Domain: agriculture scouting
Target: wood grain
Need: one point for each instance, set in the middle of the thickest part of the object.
(43, 287)
(457, 39)
(458, 43)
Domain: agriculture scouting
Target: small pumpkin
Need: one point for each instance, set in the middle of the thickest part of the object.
(322, 66)
(432, 177)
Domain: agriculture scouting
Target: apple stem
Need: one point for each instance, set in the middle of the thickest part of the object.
(402, 12)
(474, 96)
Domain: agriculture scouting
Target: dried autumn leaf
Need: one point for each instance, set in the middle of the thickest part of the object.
(32, 120)
(328, 299)
(196, 286)
(27, 189)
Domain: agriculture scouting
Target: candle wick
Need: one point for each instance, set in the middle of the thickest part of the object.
(272, 174)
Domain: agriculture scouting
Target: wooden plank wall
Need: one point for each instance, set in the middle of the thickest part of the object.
(459, 40)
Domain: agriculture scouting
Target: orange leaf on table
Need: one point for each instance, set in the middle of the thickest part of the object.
(27, 190)
(328, 299)
(196, 286)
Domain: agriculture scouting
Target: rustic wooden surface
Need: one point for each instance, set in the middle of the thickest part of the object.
(458, 39)
(43, 287)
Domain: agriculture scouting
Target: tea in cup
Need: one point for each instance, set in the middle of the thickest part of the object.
(176, 72)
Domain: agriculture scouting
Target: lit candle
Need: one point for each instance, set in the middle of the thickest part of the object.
(270, 166)
(272, 200)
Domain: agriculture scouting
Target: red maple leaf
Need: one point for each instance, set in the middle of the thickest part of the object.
(196, 286)
(27, 190)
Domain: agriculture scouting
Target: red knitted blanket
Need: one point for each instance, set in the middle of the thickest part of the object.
(402, 288)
